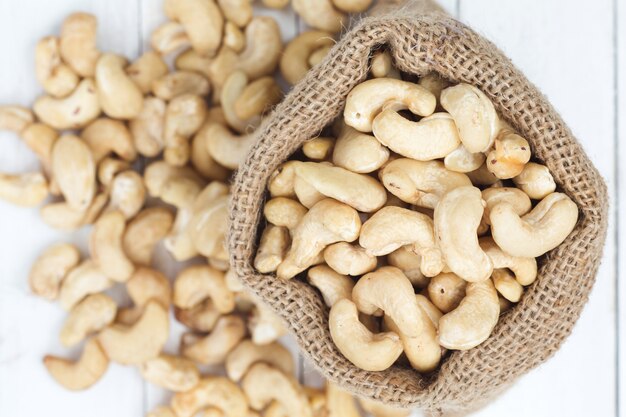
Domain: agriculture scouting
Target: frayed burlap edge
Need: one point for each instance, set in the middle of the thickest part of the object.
(524, 337)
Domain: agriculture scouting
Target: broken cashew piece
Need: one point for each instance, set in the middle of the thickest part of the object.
(213, 349)
(51, 268)
(246, 354)
(446, 291)
(333, 285)
(294, 62)
(106, 246)
(320, 14)
(91, 315)
(119, 96)
(71, 112)
(171, 372)
(202, 20)
(349, 259)
(359, 152)
(199, 282)
(77, 43)
(82, 374)
(26, 190)
(524, 269)
(536, 181)
(212, 391)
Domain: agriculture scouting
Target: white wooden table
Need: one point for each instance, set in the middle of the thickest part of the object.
(574, 50)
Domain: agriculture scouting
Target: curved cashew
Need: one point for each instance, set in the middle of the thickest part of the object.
(446, 291)
(433, 137)
(507, 285)
(128, 193)
(237, 11)
(510, 155)
(213, 349)
(272, 249)
(201, 318)
(264, 46)
(82, 374)
(169, 37)
(144, 232)
(349, 259)
(539, 231)
(51, 268)
(433, 313)
(92, 314)
(264, 384)
(359, 152)
(147, 127)
(146, 69)
(410, 263)
(56, 78)
(106, 246)
(180, 192)
(148, 284)
(536, 181)
(257, 97)
(234, 37)
(119, 96)
(320, 14)
(212, 391)
(420, 183)
(171, 372)
(15, 118)
(228, 149)
(393, 227)
(357, 190)
(513, 196)
(340, 403)
(208, 226)
(199, 282)
(109, 168)
(461, 160)
(333, 285)
(81, 281)
(246, 354)
(294, 62)
(26, 190)
(40, 138)
(457, 217)
(184, 115)
(319, 148)
(367, 100)
(378, 409)
(265, 326)
(525, 269)
(202, 20)
(327, 222)
(71, 112)
(216, 69)
(307, 194)
(318, 55)
(77, 43)
(231, 90)
(434, 83)
(284, 212)
(62, 217)
(352, 6)
(202, 160)
(473, 320)
(474, 115)
(178, 83)
(74, 170)
(482, 176)
(366, 350)
(132, 345)
(159, 173)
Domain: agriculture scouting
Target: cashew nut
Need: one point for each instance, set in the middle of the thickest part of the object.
(202, 160)
(82, 374)
(275, 4)
(144, 232)
(213, 349)
(319, 148)
(340, 403)
(109, 168)
(202, 20)
(381, 66)
(284, 212)
(272, 249)
(410, 264)
(56, 78)
(349, 259)
(169, 37)
(507, 285)
(208, 226)
(50, 268)
(457, 217)
(233, 37)
(161, 411)
(294, 62)
(178, 83)
(237, 11)
(246, 354)
(71, 112)
(26, 190)
(128, 193)
(146, 69)
(513, 196)
(422, 183)
(81, 281)
(434, 83)
(333, 285)
(263, 49)
(171, 372)
(306, 193)
(62, 217)
(231, 90)
(359, 152)
(77, 43)
(265, 326)
(159, 173)
(352, 6)
(15, 118)
(536, 181)
(474, 115)
(539, 231)
(106, 246)
(446, 291)
(216, 69)
(147, 127)
(184, 115)
(393, 227)
(257, 97)
(433, 313)
(367, 100)
(473, 320)
(212, 391)
(482, 176)
(228, 149)
(92, 314)
(74, 170)
(525, 269)
(119, 96)
(132, 345)
(201, 318)
(320, 14)
(366, 350)
(196, 283)
(510, 155)
(40, 138)
(148, 284)
(461, 160)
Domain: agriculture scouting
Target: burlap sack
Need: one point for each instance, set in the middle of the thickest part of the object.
(524, 337)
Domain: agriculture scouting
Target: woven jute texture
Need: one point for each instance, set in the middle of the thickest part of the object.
(525, 336)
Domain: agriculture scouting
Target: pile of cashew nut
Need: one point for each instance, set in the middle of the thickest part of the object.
(418, 216)
(142, 152)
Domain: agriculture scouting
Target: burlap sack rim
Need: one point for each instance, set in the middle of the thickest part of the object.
(466, 379)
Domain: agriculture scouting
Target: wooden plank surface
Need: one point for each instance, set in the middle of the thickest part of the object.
(619, 203)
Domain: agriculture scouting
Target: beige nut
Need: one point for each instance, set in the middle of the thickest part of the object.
(201, 318)
(213, 348)
(306, 193)
(482, 176)
(91, 315)
(272, 248)
(318, 56)
(202, 160)
(276, 4)
(340, 403)
(148, 284)
(74, 170)
(284, 212)
(40, 138)
(457, 217)
(536, 181)
(71, 112)
(461, 160)
(349, 259)
(524, 269)
(473, 320)
(446, 291)
(228, 149)
(171, 372)
(178, 83)
(169, 37)
(246, 354)
(27, 190)
(109, 168)
(333, 285)
(231, 90)
(211, 391)
(422, 183)
(144, 232)
(82, 374)
(393, 227)
(147, 127)
(507, 285)
(381, 65)
(327, 222)
(410, 263)
(511, 154)
(77, 43)
(237, 11)
(80, 282)
(159, 173)
(367, 100)
(433, 313)
(184, 115)
(208, 227)
(514, 196)
(257, 98)
(140, 342)
(434, 83)
(202, 20)
(15, 118)
(541, 230)
(56, 78)
(319, 148)
(378, 409)
(265, 326)
(320, 14)
(216, 69)
(474, 115)
(198, 282)
(359, 152)
(146, 69)
(106, 246)
(127, 193)
(263, 49)
(234, 37)
(352, 6)
(161, 411)
(180, 191)
(433, 137)
(294, 62)
(366, 350)
(50, 269)
(119, 96)
(62, 217)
